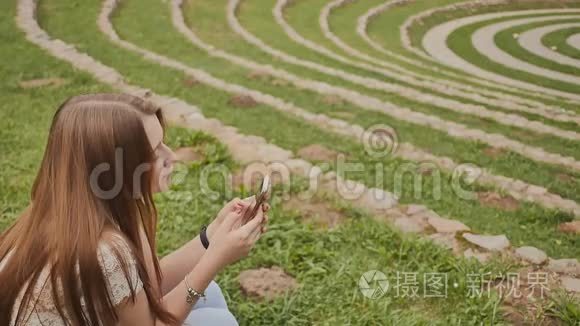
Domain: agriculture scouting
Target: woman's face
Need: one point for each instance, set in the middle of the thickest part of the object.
(164, 156)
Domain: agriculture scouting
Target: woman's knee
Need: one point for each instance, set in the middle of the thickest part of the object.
(211, 317)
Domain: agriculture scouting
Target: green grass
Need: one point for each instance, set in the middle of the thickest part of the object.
(506, 42)
(303, 16)
(25, 114)
(394, 17)
(470, 54)
(343, 23)
(558, 38)
(295, 134)
(460, 42)
(267, 30)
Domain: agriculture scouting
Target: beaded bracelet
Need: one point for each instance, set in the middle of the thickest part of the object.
(192, 294)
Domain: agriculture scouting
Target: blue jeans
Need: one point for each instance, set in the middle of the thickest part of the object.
(213, 311)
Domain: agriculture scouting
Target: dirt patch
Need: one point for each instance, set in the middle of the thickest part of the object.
(190, 82)
(332, 100)
(317, 152)
(524, 298)
(266, 77)
(43, 82)
(242, 101)
(279, 82)
(258, 74)
(189, 154)
(494, 152)
(266, 283)
(426, 169)
(316, 213)
(565, 177)
(495, 200)
(570, 227)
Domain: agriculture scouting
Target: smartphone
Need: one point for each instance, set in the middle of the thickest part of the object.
(262, 195)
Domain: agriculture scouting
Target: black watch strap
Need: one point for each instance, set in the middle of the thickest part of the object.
(203, 237)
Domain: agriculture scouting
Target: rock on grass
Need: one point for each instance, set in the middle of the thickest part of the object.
(482, 257)
(532, 255)
(409, 225)
(571, 284)
(414, 209)
(564, 266)
(488, 242)
(446, 240)
(444, 225)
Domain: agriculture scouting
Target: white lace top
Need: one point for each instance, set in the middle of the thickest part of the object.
(45, 312)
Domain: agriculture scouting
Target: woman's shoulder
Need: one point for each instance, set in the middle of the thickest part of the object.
(119, 266)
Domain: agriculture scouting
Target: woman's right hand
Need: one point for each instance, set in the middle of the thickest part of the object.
(233, 241)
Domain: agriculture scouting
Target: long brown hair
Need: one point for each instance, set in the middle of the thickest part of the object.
(62, 227)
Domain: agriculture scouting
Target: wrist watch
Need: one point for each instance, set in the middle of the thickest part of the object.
(203, 237)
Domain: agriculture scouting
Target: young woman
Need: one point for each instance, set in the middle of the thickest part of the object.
(83, 251)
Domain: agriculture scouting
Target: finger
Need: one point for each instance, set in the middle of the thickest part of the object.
(252, 225)
(265, 207)
(255, 234)
(249, 200)
(231, 219)
(233, 203)
(264, 223)
(247, 203)
(237, 225)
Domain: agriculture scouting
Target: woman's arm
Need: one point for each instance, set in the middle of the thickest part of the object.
(175, 265)
(231, 242)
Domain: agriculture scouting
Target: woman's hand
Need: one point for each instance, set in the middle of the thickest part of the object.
(233, 205)
(233, 241)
